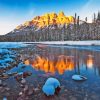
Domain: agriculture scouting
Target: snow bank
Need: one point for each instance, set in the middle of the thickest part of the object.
(92, 42)
(7, 57)
(12, 44)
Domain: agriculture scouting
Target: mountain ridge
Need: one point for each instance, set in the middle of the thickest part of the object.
(48, 19)
(55, 27)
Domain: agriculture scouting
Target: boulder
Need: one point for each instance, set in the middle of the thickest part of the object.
(79, 78)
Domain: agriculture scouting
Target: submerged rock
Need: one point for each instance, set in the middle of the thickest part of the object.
(79, 78)
(19, 76)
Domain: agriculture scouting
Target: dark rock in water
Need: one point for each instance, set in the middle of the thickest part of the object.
(18, 78)
(5, 76)
(23, 66)
(25, 74)
(12, 74)
(57, 90)
(21, 75)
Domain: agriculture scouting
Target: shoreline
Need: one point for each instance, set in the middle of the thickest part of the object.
(85, 43)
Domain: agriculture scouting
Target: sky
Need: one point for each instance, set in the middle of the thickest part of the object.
(16, 12)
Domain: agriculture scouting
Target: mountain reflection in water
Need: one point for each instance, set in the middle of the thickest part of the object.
(51, 64)
(55, 59)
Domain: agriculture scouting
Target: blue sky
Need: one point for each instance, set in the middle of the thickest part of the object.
(15, 12)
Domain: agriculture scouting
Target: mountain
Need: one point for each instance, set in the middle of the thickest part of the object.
(54, 27)
(48, 19)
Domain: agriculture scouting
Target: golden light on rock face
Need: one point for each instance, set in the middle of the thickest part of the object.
(90, 61)
(62, 64)
(49, 19)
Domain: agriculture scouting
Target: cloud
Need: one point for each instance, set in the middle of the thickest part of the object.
(92, 6)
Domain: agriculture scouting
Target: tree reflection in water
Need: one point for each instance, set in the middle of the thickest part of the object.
(55, 59)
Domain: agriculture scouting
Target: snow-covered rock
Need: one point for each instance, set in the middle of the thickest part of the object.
(12, 44)
(53, 81)
(50, 86)
(48, 90)
(78, 78)
(4, 51)
(6, 61)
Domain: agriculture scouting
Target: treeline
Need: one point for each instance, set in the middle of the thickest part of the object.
(80, 30)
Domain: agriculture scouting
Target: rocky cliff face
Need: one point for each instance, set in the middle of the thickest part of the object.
(48, 19)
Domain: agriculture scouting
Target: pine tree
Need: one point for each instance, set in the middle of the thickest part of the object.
(86, 19)
(94, 18)
(98, 17)
(78, 20)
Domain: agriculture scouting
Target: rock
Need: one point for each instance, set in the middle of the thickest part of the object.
(73, 98)
(1, 88)
(57, 90)
(25, 74)
(4, 84)
(22, 86)
(79, 78)
(66, 90)
(30, 92)
(20, 93)
(94, 97)
(23, 81)
(48, 90)
(51, 86)
(0, 82)
(53, 81)
(26, 88)
(8, 94)
(5, 76)
(7, 88)
(85, 98)
(36, 90)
